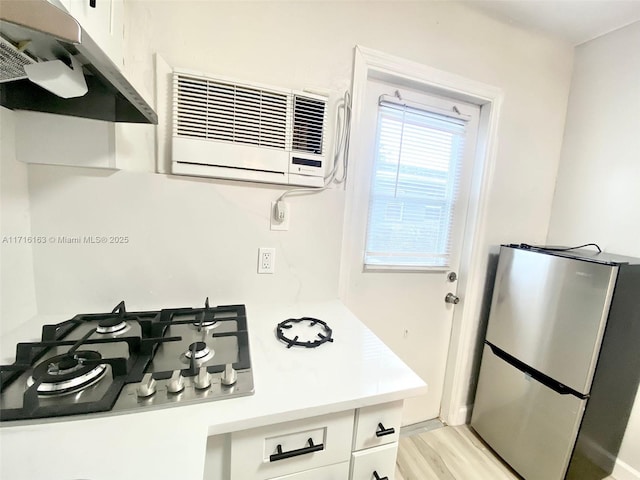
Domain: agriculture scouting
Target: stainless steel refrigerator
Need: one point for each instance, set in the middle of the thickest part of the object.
(561, 361)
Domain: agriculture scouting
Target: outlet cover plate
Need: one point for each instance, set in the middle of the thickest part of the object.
(283, 225)
(266, 260)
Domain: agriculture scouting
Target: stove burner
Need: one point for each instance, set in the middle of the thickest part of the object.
(199, 351)
(323, 336)
(112, 325)
(86, 365)
(67, 373)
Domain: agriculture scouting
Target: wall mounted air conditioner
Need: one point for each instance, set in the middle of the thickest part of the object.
(247, 132)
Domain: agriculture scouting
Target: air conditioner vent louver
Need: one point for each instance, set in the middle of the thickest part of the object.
(247, 131)
(209, 109)
(308, 124)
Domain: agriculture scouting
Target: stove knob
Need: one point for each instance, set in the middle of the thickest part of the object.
(229, 376)
(203, 379)
(176, 382)
(147, 387)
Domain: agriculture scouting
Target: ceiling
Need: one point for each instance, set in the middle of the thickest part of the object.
(575, 21)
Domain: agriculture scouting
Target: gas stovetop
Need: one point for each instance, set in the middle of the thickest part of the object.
(127, 361)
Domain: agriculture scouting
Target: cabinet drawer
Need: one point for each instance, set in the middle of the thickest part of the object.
(377, 425)
(291, 447)
(381, 460)
(339, 471)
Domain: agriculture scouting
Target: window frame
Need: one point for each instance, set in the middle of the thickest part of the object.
(437, 106)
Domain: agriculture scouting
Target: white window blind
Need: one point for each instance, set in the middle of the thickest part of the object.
(414, 188)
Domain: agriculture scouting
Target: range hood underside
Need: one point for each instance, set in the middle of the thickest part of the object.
(98, 103)
(110, 96)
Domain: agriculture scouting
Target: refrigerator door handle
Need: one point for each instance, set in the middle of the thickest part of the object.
(535, 374)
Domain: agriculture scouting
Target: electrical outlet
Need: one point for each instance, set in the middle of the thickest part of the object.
(266, 260)
(283, 222)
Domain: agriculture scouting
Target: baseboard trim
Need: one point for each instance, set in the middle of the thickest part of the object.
(461, 416)
(421, 427)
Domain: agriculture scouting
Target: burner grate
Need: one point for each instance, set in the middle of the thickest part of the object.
(97, 362)
(324, 336)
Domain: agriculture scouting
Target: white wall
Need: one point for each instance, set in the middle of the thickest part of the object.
(186, 239)
(17, 288)
(597, 193)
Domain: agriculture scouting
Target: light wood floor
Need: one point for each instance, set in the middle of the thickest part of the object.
(448, 453)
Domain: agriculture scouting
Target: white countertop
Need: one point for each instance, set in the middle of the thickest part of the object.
(356, 370)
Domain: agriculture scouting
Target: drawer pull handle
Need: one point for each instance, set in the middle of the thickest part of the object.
(378, 477)
(381, 432)
(294, 453)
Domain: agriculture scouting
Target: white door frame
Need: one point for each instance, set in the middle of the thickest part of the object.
(370, 63)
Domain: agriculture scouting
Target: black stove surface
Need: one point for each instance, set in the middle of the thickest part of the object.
(129, 360)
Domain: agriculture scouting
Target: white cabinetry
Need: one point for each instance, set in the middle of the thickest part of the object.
(377, 425)
(375, 441)
(380, 461)
(339, 446)
(60, 140)
(53, 139)
(339, 471)
(293, 447)
(104, 22)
